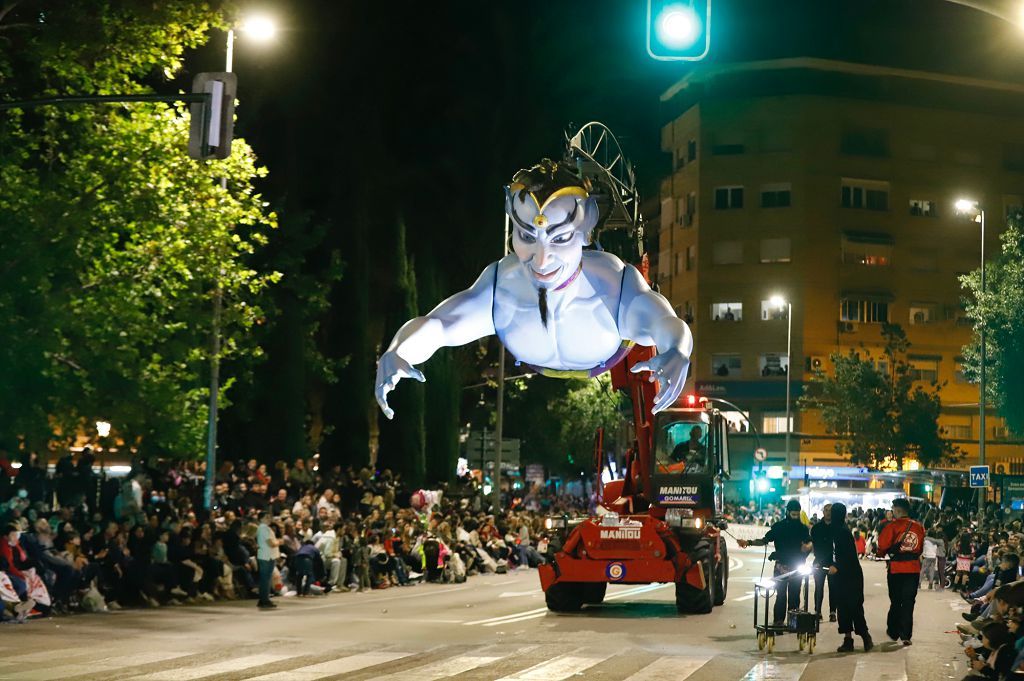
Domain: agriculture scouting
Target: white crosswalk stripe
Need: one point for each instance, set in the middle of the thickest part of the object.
(561, 667)
(344, 665)
(103, 664)
(215, 668)
(431, 664)
(881, 668)
(772, 670)
(673, 668)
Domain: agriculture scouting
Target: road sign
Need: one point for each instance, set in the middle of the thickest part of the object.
(760, 454)
(979, 476)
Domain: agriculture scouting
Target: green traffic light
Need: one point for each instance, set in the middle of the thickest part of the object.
(678, 30)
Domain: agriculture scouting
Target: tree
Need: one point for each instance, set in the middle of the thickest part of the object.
(1000, 312)
(402, 440)
(587, 406)
(880, 416)
(112, 241)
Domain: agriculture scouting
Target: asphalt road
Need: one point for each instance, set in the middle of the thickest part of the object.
(492, 627)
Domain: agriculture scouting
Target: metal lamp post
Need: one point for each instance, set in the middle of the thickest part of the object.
(260, 29)
(780, 303)
(972, 207)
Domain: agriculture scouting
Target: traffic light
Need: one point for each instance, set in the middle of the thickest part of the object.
(678, 30)
(213, 121)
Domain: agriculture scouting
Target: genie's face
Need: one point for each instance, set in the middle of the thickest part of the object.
(546, 238)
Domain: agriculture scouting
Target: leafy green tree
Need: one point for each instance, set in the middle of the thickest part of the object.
(587, 406)
(878, 416)
(1000, 312)
(112, 241)
(402, 439)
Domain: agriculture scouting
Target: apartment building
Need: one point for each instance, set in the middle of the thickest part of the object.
(832, 184)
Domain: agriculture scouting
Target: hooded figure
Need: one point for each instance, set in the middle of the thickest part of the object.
(848, 579)
(792, 544)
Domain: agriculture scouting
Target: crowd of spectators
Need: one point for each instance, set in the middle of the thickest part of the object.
(91, 542)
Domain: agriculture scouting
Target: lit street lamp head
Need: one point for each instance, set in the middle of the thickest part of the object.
(966, 206)
(777, 301)
(259, 27)
(102, 428)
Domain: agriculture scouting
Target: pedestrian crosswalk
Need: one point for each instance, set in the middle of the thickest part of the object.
(290, 661)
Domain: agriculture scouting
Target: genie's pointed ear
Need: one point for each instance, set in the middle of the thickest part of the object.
(589, 220)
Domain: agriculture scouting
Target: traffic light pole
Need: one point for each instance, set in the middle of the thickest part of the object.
(191, 98)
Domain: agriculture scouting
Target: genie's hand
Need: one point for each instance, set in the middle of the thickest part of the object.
(669, 369)
(390, 370)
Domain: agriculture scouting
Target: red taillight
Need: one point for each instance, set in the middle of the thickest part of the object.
(691, 400)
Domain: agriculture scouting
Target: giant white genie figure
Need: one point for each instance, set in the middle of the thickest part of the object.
(563, 310)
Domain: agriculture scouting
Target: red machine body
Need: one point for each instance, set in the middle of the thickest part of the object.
(663, 517)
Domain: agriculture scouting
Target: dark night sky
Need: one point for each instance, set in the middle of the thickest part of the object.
(366, 112)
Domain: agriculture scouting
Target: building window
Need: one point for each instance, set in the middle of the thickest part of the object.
(687, 209)
(727, 253)
(924, 208)
(866, 248)
(958, 431)
(771, 311)
(865, 142)
(1013, 158)
(727, 312)
(774, 250)
(773, 364)
(776, 195)
(924, 369)
(866, 194)
(726, 365)
(774, 422)
(691, 151)
(924, 313)
(679, 263)
(859, 310)
(1000, 432)
(691, 258)
(728, 197)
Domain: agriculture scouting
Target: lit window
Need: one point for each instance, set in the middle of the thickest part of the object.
(924, 208)
(770, 310)
(773, 422)
(691, 258)
(726, 365)
(866, 248)
(773, 364)
(869, 311)
(727, 312)
(958, 431)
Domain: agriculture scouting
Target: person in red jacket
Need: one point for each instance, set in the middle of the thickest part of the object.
(902, 540)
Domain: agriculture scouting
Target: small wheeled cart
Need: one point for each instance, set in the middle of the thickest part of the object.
(802, 622)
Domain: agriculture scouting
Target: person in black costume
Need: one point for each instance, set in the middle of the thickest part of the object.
(848, 580)
(792, 544)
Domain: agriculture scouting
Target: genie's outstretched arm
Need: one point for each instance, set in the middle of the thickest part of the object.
(645, 317)
(461, 319)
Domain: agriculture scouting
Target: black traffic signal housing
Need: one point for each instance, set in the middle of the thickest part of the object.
(678, 30)
(213, 121)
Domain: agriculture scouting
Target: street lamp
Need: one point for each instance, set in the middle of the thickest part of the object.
(974, 209)
(779, 302)
(102, 428)
(261, 29)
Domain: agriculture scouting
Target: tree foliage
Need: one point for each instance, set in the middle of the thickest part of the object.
(112, 241)
(1000, 312)
(878, 415)
(587, 406)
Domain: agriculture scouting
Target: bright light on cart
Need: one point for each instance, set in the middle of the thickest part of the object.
(766, 583)
(804, 569)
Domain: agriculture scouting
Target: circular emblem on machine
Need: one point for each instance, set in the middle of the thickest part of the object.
(615, 571)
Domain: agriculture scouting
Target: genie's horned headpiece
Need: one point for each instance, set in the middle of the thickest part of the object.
(534, 190)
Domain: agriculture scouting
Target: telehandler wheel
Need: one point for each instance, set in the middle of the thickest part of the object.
(564, 597)
(698, 601)
(722, 576)
(593, 592)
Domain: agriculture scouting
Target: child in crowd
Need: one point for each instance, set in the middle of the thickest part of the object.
(964, 557)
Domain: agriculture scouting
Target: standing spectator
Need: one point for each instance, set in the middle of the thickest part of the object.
(902, 540)
(846, 588)
(929, 559)
(265, 545)
(822, 541)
